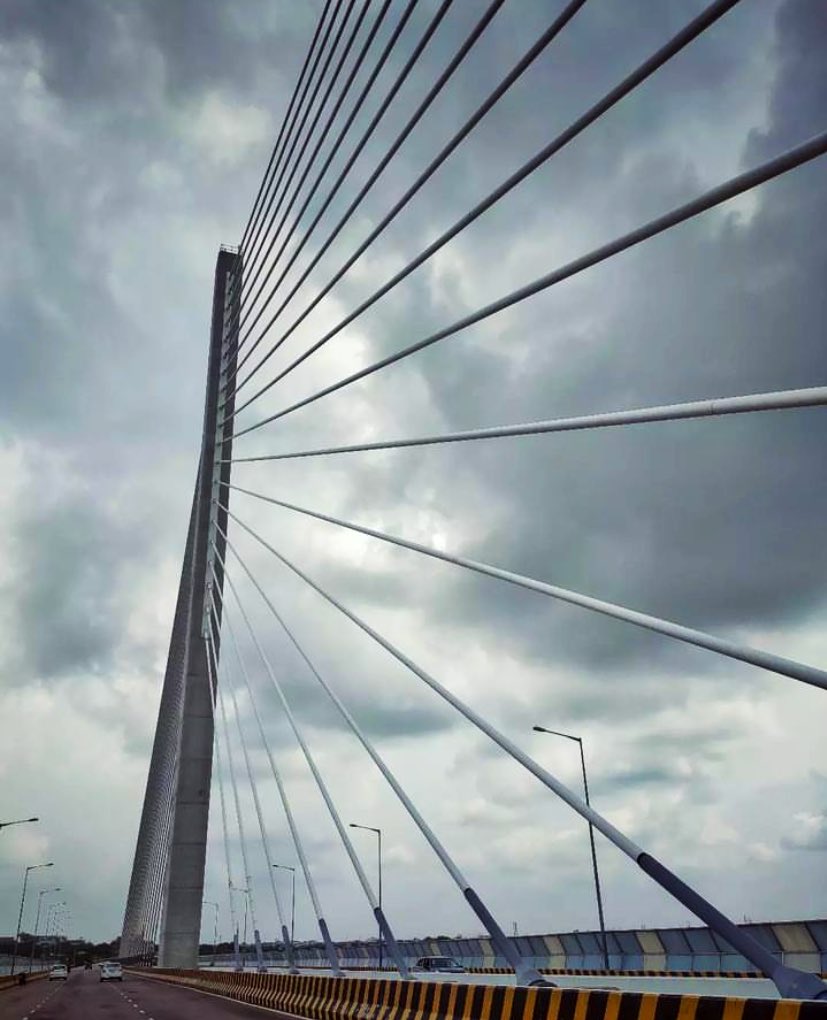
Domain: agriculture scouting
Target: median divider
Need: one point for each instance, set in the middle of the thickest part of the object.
(14, 980)
(320, 997)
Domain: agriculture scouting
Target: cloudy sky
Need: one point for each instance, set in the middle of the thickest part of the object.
(133, 135)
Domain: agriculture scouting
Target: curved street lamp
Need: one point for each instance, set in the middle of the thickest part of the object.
(214, 905)
(31, 867)
(370, 828)
(41, 894)
(286, 867)
(18, 821)
(579, 741)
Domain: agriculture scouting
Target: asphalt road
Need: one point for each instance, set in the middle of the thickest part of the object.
(85, 997)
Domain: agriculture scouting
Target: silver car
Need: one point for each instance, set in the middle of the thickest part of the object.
(439, 965)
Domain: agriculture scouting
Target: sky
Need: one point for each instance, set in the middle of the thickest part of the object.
(133, 137)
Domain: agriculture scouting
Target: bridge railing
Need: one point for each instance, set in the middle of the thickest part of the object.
(800, 944)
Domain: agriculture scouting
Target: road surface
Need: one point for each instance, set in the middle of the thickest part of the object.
(85, 997)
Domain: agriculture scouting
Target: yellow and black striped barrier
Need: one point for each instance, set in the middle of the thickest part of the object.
(320, 997)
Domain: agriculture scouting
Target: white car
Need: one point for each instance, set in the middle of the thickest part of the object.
(111, 972)
(58, 972)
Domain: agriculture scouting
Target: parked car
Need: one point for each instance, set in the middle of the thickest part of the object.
(59, 972)
(439, 965)
(111, 972)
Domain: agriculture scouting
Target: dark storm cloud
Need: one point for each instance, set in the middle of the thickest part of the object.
(808, 830)
(73, 558)
(813, 838)
(72, 583)
(94, 48)
(371, 684)
(92, 192)
(800, 89)
(84, 46)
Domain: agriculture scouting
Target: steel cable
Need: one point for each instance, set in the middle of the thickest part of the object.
(268, 230)
(814, 396)
(788, 980)
(789, 160)
(256, 240)
(311, 763)
(424, 40)
(526, 974)
(632, 81)
(764, 660)
(492, 99)
(275, 154)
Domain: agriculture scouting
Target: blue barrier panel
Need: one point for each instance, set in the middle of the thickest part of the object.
(701, 941)
(764, 934)
(473, 954)
(573, 950)
(615, 951)
(538, 945)
(674, 940)
(818, 929)
(631, 949)
(800, 943)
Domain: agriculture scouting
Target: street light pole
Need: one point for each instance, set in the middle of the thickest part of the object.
(18, 821)
(579, 740)
(51, 925)
(286, 867)
(31, 867)
(40, 896)
(371, 828)
(51, 916)
(210, 903)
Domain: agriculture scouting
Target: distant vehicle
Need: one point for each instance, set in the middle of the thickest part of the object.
(58, 972)
(111, 972)
(439, 965)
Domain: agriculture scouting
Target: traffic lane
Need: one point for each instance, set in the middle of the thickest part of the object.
(163, 1001)
(76, 997)
(21, 1001)
(83, 996)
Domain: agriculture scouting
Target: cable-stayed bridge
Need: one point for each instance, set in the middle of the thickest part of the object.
(314, 196)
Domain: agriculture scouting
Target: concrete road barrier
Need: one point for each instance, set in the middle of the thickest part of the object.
(13, 980)
(328, 998)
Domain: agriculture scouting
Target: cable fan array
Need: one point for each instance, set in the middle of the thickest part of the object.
(313, 195)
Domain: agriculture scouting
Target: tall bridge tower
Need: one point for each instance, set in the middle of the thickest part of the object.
(166, 888)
